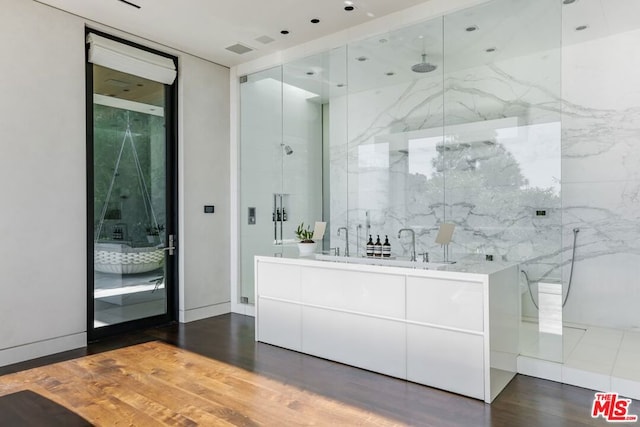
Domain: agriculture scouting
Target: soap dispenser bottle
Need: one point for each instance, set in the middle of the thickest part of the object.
(377, 248)
(370, 246)
(386, 247)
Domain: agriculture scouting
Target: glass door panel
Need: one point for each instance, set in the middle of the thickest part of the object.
(262, 220)
(129, 198)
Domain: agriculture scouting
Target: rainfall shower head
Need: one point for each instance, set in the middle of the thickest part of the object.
(424, 66)
(288, 151)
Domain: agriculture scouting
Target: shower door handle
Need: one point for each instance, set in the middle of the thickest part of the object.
(281, 220)
(275, 219)
(172, 245)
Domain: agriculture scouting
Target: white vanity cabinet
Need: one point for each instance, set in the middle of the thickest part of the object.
(427, 326)
(445, 334)
(281, 311)
(345, 313)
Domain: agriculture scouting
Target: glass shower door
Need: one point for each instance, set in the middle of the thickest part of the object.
(262, 200)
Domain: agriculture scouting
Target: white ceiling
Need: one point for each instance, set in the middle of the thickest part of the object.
(514, 28)
(206, 27)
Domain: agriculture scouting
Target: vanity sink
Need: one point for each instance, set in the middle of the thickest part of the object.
(390, 262)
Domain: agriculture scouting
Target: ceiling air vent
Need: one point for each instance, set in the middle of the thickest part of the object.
(239, 48)
(265, 39)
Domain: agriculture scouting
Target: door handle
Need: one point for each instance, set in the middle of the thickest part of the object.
(172, 245)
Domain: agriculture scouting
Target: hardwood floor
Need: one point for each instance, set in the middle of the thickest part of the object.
(241, 382)
(158, 384)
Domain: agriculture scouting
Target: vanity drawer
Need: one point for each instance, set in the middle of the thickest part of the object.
(447, 303)
(361, 292)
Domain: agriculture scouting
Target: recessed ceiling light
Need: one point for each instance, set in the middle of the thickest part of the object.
(361, 58)
(490, 50)
(310, 73)
(349, 8)
(471, 28)
(125, 90)
(383, 40)
(582, 27)
(390, 73)
(284, 32)
(340, 85)
(139, 85)
(315, 20)
(568, 1)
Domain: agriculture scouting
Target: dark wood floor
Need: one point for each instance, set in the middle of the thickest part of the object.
(230, 338)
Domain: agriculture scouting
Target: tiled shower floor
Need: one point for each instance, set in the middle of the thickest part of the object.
(597, 358)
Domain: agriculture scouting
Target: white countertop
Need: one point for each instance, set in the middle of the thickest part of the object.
(468, 268)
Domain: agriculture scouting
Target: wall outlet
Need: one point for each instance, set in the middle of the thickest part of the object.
(244, 300)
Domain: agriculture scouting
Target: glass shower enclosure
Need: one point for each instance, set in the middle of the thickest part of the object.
(452, 120)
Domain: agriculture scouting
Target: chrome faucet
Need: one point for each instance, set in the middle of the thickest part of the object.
(413, 241)
(346, 233)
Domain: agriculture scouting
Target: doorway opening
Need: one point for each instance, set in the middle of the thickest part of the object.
(131, 186)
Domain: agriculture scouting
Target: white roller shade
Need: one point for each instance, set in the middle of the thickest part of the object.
(117, 56)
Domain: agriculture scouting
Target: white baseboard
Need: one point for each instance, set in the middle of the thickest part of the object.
(186, 316)
(42, 348)
(246, 309)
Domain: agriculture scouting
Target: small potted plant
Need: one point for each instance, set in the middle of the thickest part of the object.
(306, 245)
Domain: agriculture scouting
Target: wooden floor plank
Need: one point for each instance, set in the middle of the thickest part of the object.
(158, 384)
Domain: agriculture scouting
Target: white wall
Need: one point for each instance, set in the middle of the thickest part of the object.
(42, 182)
(43, 191)
(204, 180)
